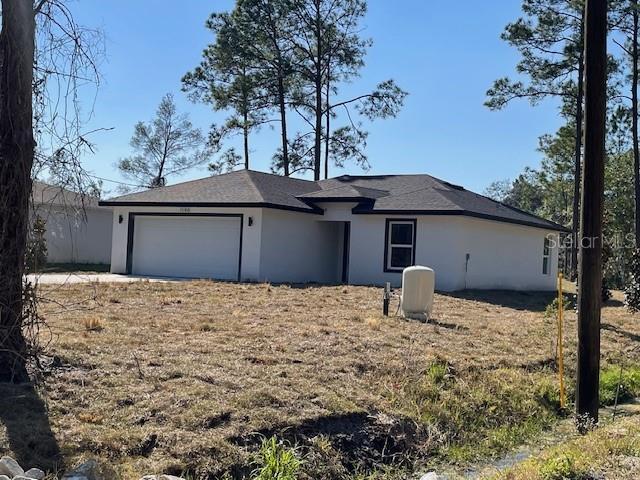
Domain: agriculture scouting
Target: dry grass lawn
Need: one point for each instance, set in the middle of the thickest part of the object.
(184, 377)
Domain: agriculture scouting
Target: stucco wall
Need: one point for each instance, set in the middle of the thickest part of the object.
(505, 256)
(500, 255)
(438, 245)
(297, 247)
(285, 246)
(77, 237)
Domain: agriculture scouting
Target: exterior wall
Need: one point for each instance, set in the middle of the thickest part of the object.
(298, 248)
(251, 235)
(506, 256)
(439, 245)
(75, 236)
(501, 255)
(286, 246)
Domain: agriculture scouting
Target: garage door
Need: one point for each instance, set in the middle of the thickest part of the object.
(186, 246)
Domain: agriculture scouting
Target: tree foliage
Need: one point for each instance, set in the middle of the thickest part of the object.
(274, 58)
(549, 38)
(632, 287)
(168, 145)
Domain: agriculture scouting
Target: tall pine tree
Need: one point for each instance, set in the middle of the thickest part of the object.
(549, 38)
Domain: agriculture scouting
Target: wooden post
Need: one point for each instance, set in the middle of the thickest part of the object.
(590, 259)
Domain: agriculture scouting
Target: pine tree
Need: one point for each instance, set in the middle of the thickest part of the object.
(331, 51)
(549, 39)
(625, 20)
(227, 79)
(168, 145)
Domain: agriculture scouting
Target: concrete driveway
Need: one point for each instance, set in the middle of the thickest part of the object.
(64, 278)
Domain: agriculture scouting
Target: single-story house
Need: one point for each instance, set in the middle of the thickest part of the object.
(254, 226)
(77, 229)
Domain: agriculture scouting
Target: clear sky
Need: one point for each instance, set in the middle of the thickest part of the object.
(445, 54)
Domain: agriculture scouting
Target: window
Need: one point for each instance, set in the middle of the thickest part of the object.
(400, 239)
(546, 257)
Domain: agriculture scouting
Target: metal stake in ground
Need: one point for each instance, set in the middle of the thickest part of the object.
(560, 345)
(590, 262)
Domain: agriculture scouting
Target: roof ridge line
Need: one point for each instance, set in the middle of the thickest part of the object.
(253, 184)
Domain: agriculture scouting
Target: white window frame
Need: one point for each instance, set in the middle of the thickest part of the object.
(390, 246)
(546, 256)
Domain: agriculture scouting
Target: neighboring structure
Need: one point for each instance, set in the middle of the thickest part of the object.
(78, 230)
(248, 225)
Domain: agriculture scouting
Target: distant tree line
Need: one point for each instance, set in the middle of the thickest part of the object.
(548, 37)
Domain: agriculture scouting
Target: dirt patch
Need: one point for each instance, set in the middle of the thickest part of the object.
(365, 441)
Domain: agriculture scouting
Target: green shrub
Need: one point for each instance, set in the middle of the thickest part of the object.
(629, 384)
(438, 372)
(552, 308)
(278, 461)
(562, 467)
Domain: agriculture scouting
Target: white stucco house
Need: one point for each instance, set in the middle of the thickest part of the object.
(253, 226)
(78, 230)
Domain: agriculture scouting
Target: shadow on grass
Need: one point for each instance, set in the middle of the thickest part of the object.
(612, 302)
(518, 300)
(25, 421)
(447, 325)
(617, 330)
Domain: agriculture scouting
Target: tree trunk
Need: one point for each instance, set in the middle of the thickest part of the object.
(634, 120)
(575, 224)
(245, 135)
(327, 132)
(318, 108)
(16, 160)
(591, 240)
(283, 122)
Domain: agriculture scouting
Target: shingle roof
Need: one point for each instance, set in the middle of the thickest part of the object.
(354, 192)
(383, 194)
(242, 187)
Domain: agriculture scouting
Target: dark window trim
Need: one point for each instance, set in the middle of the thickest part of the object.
(546, 256)
(386, 242)
(131, 226)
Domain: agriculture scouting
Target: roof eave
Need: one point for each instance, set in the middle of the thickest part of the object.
(552, 226)
(311, 209)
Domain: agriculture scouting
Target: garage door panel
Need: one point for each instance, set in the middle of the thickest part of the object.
(186, 246)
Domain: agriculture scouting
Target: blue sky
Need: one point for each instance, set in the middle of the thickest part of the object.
(445, 54)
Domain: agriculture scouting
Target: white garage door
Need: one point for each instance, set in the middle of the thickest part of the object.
(186, 246)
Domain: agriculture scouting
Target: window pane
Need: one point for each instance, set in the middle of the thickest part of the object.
(546, 246)
(545, 265)
(402, 233)
(401, 257)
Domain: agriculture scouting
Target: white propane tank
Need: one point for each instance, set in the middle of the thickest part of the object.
(418, 284)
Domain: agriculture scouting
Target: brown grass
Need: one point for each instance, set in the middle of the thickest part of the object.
(180, 376)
